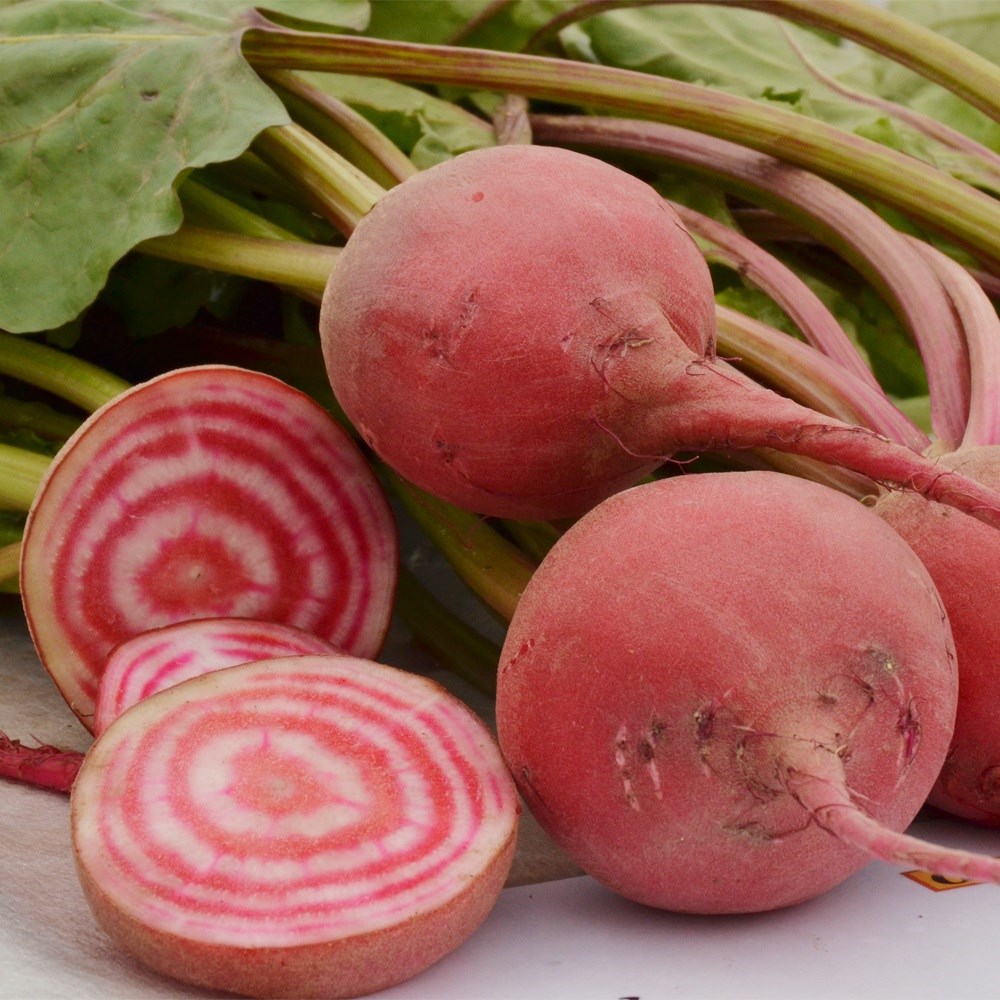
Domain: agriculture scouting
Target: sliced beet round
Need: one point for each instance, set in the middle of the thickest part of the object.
(155, 660)
(206, 492)
(305, 826)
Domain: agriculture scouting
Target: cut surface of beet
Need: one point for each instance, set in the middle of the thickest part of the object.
(206, 492)
(303, 826)
(155, 660)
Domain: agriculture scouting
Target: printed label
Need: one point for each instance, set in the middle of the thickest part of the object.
(939, 883)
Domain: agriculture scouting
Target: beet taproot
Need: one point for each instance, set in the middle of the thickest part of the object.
(206, 492)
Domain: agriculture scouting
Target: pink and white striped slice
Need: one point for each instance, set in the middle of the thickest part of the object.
(163, 657)
(307, 826)
(207, 492)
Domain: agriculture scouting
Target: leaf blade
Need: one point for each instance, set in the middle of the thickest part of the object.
(104, 107)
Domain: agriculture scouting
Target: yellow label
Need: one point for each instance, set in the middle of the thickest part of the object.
(939, 883)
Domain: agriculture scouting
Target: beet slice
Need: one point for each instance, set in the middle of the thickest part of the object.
(304, 826)
(206, 492)
(160, 658)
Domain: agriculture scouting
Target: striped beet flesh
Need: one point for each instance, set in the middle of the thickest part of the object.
(304, 826)
(160, 658)
(207, 492)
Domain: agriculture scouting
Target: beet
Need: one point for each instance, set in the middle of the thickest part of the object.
(962, 556)
(727, 692)
(525, 330)
(205, 492)
(155, 660)
(296, 827)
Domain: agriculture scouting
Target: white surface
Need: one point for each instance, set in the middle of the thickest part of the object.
(877, 935)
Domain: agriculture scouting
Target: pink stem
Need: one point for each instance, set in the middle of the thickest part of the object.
(43, 766)
(990, 283)
(818, 783)
(831, 215)
(781, 283)
(981, 327)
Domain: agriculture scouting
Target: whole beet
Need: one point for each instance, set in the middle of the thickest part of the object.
(525, 330)
(963, 557)
(725, 693)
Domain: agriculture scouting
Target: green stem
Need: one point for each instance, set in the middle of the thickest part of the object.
(202, 204)
(21, 472)
(933, 56)
(968, 216)
(495, 569)
(510, 121)
(293, 264)
(535, 538)
(10, 558)
(78, 382)
(340, 192)
(37, 417)
(453, 643)
(343, 129)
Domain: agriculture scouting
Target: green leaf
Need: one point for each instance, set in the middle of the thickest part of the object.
(104, 104)
(309, 15)
(871, 324)
(429, 21)
(692, 191)
(755, 55)
(972, 23)
(759, 305)
(153, 295)
(426, 128)
(741, 51)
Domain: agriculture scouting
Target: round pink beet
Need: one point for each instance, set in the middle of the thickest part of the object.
(962, 557)
(724, 693)
(524, 330)
(526, 270)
